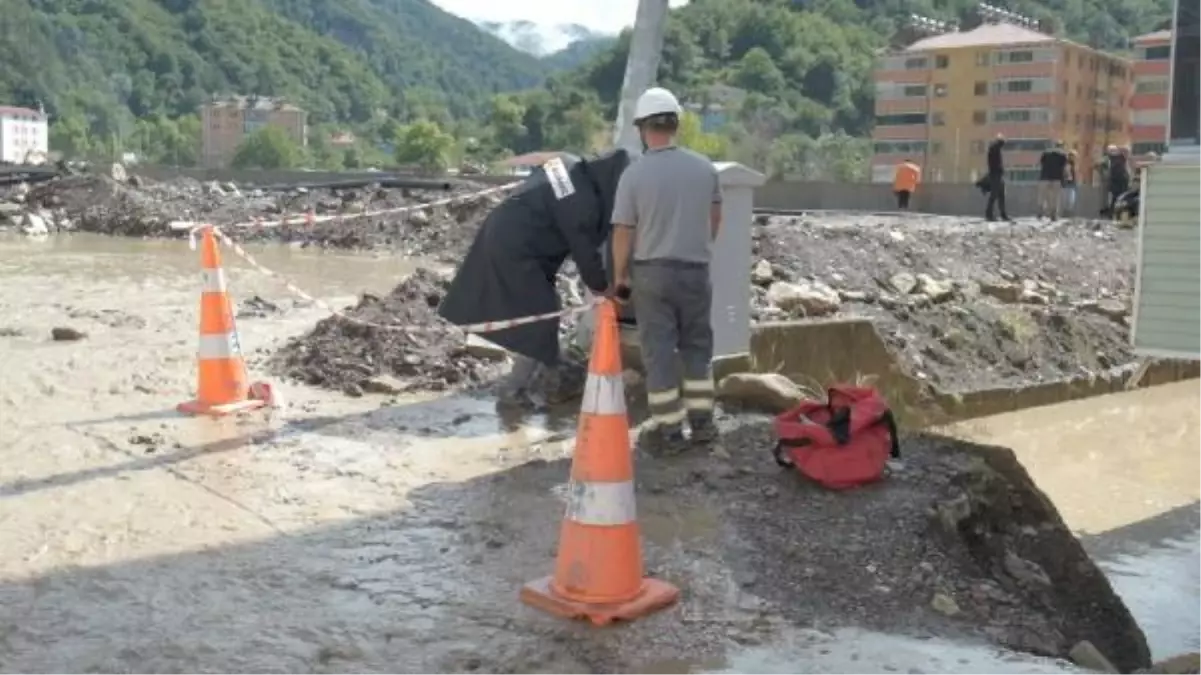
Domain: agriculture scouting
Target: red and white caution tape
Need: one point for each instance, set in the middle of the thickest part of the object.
(486, 327)
(311, 218)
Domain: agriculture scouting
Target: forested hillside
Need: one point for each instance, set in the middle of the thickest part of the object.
(342, 60)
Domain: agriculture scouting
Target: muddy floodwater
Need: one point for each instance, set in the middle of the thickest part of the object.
(138, 540)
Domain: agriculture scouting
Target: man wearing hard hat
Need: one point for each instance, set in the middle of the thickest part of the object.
(666, 214)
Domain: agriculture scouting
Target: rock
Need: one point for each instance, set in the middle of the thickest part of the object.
(418, 218)
(10, 209)
(1086, 655)
(1024, 571)
(64, 334)
(766, 392)
(903, 283)
(810, 299)
(1001, 290)
(762, 273)
(1033, 298)
(1114, 310)
(1178, 665)
(854, 296)
(937, 290)
(214, 188)
(230, 188)
(944, 604)
(483, 349)
(34, 226)
(383, 384)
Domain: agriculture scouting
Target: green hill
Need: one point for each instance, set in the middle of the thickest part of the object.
(111, 60)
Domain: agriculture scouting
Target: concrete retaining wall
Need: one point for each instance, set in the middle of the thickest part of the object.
(281, 177)
(951, 199)
(816, 354)
(948, 199)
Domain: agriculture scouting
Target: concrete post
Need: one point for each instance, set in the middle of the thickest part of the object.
(730, 271)
(642, 68)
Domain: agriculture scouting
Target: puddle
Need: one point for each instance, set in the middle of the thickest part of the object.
(860, 652)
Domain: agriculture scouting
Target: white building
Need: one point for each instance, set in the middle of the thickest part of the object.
(24, 135)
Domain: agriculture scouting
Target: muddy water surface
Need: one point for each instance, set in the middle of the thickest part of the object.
(344, 535)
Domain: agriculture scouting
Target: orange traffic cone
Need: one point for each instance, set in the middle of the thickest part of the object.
(598, 573)
(223, 386)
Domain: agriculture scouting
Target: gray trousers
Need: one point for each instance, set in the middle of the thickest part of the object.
(671, 304)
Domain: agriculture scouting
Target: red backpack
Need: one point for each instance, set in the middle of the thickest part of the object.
(841, 443)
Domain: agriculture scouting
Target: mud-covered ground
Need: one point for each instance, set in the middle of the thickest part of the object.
(366, 534)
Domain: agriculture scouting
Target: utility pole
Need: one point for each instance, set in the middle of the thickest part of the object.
(642, 69)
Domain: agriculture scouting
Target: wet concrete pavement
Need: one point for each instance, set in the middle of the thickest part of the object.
(349, 535)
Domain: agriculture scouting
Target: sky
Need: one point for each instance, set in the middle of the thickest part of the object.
(608, 16)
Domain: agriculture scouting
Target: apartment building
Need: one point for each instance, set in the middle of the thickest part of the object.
(1150, 106)
(941, 100)
(24, 135)
(226, 122)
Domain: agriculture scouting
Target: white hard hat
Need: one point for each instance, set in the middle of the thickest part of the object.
(656, 101)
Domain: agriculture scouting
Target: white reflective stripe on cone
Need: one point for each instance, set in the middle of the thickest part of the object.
(698, 386)
(698, 403)
(214, 280)
(601, 504)
(668, 419)
(662, 397)
(219, 346)
(603, 395)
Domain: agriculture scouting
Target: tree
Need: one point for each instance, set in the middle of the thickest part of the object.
(425, 144)
(505, 128)
(69, 135)
(758, 72)
(691, 135)
(267, 148)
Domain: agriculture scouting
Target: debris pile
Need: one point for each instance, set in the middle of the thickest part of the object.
(421, 352)
(142, 208)
(964, 305)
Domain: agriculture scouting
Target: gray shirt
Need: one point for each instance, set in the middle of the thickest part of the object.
(665, 196)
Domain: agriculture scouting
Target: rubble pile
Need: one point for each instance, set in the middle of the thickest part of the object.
(963, 305)
(142, 208)
(421, 353)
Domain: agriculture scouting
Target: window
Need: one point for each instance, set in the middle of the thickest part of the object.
(1077, 119)
(1021, 56)
(900, 120)
(938, 119)
(916, 63)
(899, 147)
(1035, 85)
(1028, 144)
(1147, 148)
(1016, 86)
(1157, 53)
(1079, 91)
(979, 117)
(942, 61)
(940, 90)
(1151, 85)
(980, 89)
(983, 58)
(913, 90)
(1022, 116)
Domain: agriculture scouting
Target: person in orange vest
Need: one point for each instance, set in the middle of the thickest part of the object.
(905, 181)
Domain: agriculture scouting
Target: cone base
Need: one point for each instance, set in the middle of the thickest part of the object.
(198, 408)
(654, 596)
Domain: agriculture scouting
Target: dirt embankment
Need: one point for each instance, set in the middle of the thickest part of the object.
(957, 540)
(964, 305)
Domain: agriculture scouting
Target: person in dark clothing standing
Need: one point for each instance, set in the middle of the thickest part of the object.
(996, 181)
(1052, 168)
(1117, 172)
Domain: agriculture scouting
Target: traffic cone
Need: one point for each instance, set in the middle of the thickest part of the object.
(598, 573)
(223, 386)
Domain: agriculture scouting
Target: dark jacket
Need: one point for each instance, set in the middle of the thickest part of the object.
(1052, 165)
(1118, 170)
(510, 270)
(996, 164)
